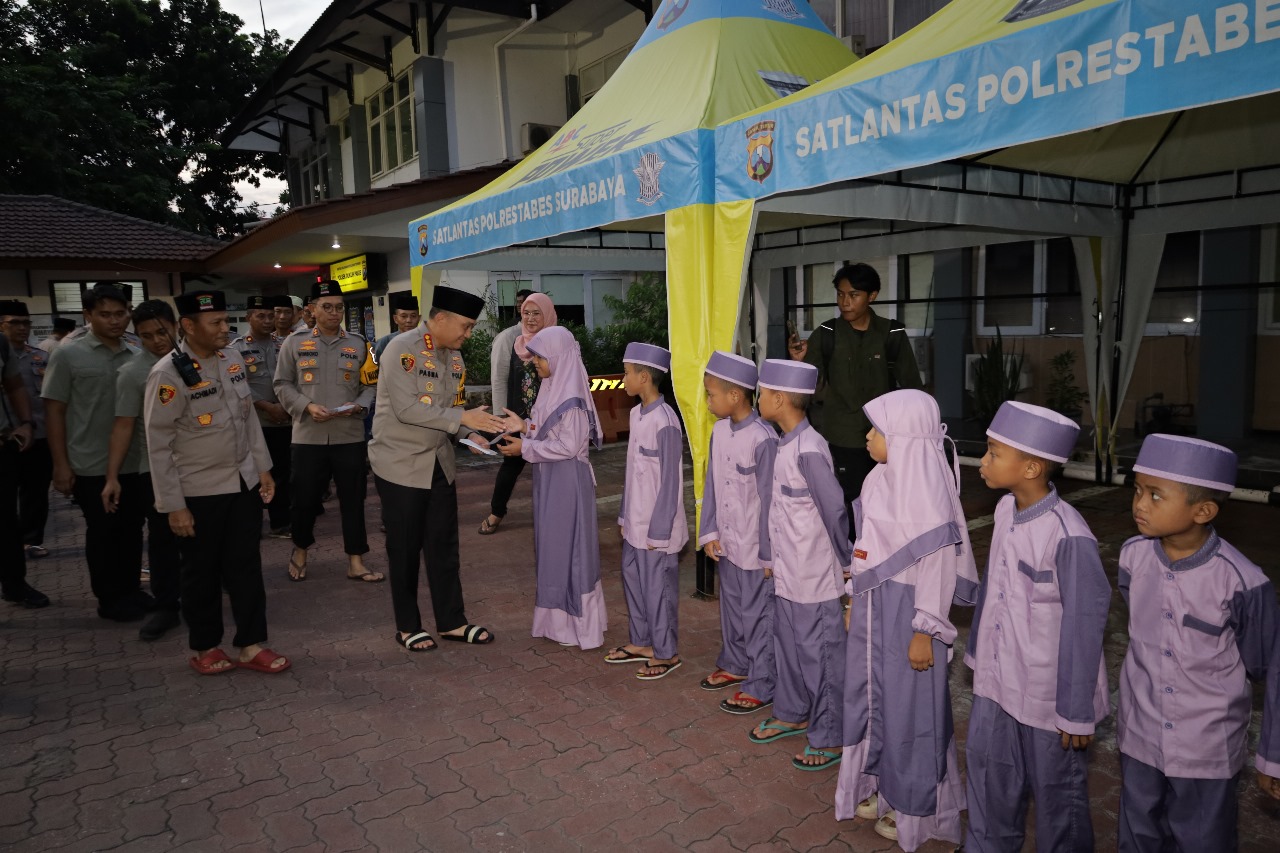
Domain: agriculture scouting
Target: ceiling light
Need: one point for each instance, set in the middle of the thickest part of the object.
(1188, 319)
(336, 244)
(276, 265)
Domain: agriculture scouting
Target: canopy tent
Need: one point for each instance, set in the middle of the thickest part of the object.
(1171, 102)
(643, 146)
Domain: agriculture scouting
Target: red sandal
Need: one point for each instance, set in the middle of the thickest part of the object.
(261, 662)
(729, 706)
(206, 664)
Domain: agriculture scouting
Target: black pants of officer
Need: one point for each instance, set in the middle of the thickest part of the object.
(224, 554)
(113, 540)
(35, 472)
(505, 484)
(163, 553)
(422, 525)
(13, 563)
(852, 465)
(279, 445)
(313, 466)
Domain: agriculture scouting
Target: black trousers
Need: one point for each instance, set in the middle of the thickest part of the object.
(13, 563)
(853, 464)
(280, 446)
(422, 525)
(313, 466)
(224, 555)
(112, 540)
(505, 484)
(35, 472)
(163, 552)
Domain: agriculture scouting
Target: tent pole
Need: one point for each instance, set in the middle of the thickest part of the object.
(1126, 213)
(1098, 315)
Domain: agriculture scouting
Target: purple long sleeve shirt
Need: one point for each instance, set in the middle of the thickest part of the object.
(735, 500)
(1035, 647)
(1199, 628)
(652, 512)
(808, 522)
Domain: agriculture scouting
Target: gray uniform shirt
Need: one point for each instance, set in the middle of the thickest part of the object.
(202, 440)
(500, 365)
(324, 371)
(33, 362)
(421, 394)
(260, 359)
(131, 389)
(82, 375)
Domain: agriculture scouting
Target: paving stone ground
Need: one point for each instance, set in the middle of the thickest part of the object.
(109, 743)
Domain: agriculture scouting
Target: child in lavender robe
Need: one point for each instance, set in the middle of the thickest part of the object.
(1035, 647)
(1203, 621)
(911, 557)
(651, 519)
(808, 533)
(735, 510)
(562, 425)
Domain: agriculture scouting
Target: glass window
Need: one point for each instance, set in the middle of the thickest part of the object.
(915, 281)
(602, 314)
(1063, 312)
(314, 163)
(1179, 268)
(1009, 285)
(392, 136)
(566, 292)
(816, 288)
(66, 295)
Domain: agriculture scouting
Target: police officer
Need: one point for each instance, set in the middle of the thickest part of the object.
(421, 394)
(35, 466)
(404, 313)
(260, 350)
(211, 472)
(288, 316)
(323, 382)
(15, 437)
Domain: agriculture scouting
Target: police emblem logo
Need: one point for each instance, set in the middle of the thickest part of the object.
(425, 399)
(424, 240)
(760, 150)
(406, 361)
(671, 11)
(204, 302)
(233, 368)
(648, 172)
(782, 8)
(204, 420)
(346, 377)
(431, 386)
(166, 393)
(308, 377)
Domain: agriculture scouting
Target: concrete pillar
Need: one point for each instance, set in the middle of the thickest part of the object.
(359, 148)
(432, 123)
(333, 145)
(1228, 333)
(952, 329)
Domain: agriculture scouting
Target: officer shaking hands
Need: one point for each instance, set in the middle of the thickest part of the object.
(211, 471)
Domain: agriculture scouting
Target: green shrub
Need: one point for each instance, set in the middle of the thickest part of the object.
(475, 355)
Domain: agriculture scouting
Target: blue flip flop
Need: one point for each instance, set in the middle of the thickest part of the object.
(832, 756)
(771, 724)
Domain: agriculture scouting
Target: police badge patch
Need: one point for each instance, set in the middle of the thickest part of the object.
(648, 172)
(406, 361)
(166, 393)
(671, 11)
(760, 150)
(424, 240)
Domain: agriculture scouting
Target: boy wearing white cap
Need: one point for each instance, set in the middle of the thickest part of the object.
(808, 537)
(651, 518)
(1035, 647)
(1202, 621)
(735, 510)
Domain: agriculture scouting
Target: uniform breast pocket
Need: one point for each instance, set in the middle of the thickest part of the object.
(207, 418)
(797, 492)
(1042, 582)
(89, 379)
(308, 374)
(1205, 641)
(648, 452)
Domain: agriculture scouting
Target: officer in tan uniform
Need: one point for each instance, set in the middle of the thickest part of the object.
(211, 472)
(325, 382)
(421, 394)
(260, 350)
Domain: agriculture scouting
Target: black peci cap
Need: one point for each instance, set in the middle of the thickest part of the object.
(325, 288)
(200, 302)
(457, 301)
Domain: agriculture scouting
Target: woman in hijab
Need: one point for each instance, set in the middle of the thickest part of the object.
(537, 313)
(562, 426)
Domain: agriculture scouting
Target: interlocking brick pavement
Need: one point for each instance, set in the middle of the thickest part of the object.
(109, 743)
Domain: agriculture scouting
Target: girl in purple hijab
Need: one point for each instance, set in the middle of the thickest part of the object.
(911, 558)
(561, 427)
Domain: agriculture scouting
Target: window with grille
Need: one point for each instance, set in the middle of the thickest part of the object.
(392, 139)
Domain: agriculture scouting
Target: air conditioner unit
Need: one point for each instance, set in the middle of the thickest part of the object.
(971, 370)
(534, 136)
(857, 44)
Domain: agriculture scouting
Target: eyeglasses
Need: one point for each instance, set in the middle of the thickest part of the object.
(329, 307)
(531, 314)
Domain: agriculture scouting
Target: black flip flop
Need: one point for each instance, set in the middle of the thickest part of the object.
(471, 635)
(416, 637)
(631, 657)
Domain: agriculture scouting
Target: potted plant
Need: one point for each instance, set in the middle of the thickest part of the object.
(1064, 396)
(995, 379)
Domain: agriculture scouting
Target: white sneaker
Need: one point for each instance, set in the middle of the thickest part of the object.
(887, 826)
(869, 808)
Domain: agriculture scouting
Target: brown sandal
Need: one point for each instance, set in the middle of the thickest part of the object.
(488, 528)
(301, 570)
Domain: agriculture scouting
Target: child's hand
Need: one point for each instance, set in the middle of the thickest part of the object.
(920, 652)
(848, 611)
(1075, 741)
(1270, 785)
(713, 550)
(511, 446)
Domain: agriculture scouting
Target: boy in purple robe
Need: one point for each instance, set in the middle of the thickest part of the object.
(1035, 646)
(651, 519)
(911, 558)
(808, 538)
(1203, 621)
(735, 511)
(562, 426)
